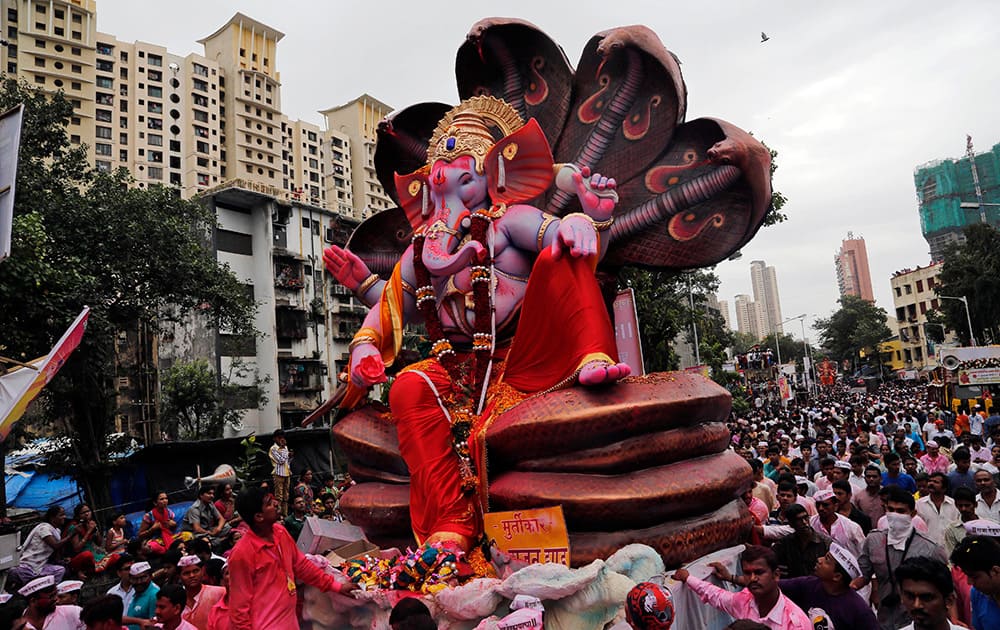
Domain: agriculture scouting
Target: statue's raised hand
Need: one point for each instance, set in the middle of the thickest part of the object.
(367, 367)
(596, 192)
(346, 267)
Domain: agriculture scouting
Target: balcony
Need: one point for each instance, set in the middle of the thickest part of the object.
(288, 275)
(300, 375)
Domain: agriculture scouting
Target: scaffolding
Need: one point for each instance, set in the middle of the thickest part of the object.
(942, 187)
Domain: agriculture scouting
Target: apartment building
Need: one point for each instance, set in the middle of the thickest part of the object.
(211, 126)
(913, 295)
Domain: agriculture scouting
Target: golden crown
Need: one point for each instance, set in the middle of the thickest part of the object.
(465, 130)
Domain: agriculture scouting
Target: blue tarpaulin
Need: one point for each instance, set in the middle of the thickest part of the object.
(36, 490)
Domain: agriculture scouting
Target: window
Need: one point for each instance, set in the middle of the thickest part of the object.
(908, 289)
(39, 43)
(175, 162)
(123, 138)
(200, 101)
(154, 123)
(233, 242)
(155, 75)
(201, 116)
(123, 56)
(154, 91)
(39, 62)
(103, 132)
(40, 8)
(77, 18)
(123, 73)
(201, 147)
(103, 65)
(77, 69)
(123, 122)
(175, 145)
(155, 140)
(156, 156)
(105, 82)
(154, 108)
(105, 49)
(103, 165)
(155, 172)
(102, 115)
(123, 155)
(155, 60)
(123, 106)
(200, 70)
(75, 139)
(202, 180)
(920, 286)
(201, 132)
(102, 149)
(201, 86)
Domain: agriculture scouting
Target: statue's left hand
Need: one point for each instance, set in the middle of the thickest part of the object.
(346, 267)
(577, 236)
(596, 192)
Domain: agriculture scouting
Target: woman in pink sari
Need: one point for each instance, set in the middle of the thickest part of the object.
(158, 526)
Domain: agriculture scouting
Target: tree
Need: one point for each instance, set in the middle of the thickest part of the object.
(196, 403)
(857, 326)
(83, 237)
(791, 348)
(972, 270)
(663, 305)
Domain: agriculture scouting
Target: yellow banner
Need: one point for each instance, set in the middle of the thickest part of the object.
(533, 536)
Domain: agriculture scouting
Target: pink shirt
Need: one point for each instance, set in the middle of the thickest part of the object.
(218, 617)
(262, 577)
(784, 616)
(935, 464)
(206, 598)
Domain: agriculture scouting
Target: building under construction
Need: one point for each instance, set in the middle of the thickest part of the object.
(955, 193)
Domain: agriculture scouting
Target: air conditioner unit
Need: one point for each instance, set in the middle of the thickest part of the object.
(949, 360)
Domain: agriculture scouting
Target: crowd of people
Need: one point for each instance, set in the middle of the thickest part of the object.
(173, 572)
(865, 507)
(872, 510)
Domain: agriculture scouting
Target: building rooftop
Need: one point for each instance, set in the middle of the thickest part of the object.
(245, 22)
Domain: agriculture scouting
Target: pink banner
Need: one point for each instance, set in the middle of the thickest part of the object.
(627, 331)
(20, 386)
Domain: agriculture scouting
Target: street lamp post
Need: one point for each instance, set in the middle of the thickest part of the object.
(968, 318)
(777, 339)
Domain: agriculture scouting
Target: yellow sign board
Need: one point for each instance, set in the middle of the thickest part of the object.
(533, 536)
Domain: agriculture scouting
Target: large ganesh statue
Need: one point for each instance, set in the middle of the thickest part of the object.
(510, 206)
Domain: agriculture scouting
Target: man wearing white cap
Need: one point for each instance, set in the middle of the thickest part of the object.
(42, 611)
(141, 610)
(828, 590)
(68, 592)
(933, 461)
(200, 598)
(841, 529)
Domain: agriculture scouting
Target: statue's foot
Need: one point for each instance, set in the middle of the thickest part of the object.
(463, 543)
(601, 372)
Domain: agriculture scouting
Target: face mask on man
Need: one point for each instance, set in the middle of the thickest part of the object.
(900, 527)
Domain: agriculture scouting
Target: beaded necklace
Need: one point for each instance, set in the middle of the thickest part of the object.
(470, 376)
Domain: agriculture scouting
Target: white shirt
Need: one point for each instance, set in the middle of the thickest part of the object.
(976, 424)
(989, 512)
(937, 520)
(36, 551)
(62, 618)
(844, 532)
(125, 596)
(857, 482)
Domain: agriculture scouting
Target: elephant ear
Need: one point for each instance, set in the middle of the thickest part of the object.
(701, 201)
(519, 167)
(411, 194)
(402, 142)
(628, 98)
(381, 240)
(513, 60)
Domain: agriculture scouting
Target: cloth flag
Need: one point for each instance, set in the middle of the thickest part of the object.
(20, 386)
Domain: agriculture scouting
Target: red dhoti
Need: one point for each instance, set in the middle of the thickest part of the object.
(563, 325)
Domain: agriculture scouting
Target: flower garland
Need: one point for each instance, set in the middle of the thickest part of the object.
(468, 375)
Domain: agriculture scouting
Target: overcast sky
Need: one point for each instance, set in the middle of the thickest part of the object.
(852, 95)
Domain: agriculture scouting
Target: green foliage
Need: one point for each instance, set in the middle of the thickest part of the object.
(86, 238)
(778, 200)
(663, 305)
(252, 465)
(973, 270)
(195, 405)
(857, 326)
